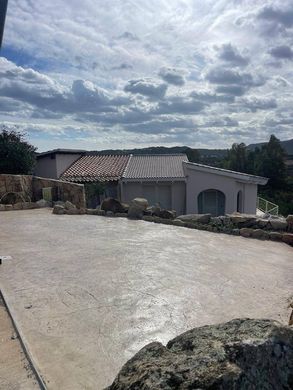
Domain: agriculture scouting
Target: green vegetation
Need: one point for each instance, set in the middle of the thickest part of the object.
(17, 156)
(267, 161)
(93, 192)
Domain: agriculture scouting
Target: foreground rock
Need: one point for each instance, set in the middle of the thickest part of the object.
(195, 218)
(240, 354)
(137, 208)
(113, 205)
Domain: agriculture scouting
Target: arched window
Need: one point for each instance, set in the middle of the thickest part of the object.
(211, 202)
(239, 202)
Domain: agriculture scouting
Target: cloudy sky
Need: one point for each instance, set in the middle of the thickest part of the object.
(98, 74)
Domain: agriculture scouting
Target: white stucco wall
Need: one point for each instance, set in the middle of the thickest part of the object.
(130, 190)
(198, 181)
(63, 161)
(46, 167)
(54, 167)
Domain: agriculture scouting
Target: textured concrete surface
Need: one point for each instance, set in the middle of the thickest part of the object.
(15, 371)
(88, 292)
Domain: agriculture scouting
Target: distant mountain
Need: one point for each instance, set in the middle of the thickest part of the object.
(206, 155)
(217, 153)
(287, 146)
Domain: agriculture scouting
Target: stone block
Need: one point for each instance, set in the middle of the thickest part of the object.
(260, 234)
(245, 232)
(288, 238)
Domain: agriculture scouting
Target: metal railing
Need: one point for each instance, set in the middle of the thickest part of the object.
(267, 207)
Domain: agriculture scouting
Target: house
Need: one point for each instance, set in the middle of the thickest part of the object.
(187, 187)
(106, 170)
(220, 191)
(168, 179)
(53, 163)
(158, 178)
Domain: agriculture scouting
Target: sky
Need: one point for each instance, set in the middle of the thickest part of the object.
(96, 74)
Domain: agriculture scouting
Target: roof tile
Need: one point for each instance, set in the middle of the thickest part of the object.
(96, 168)
(161, 166)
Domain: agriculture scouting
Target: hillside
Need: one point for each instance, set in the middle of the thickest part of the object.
(204, 153)
(287, 146)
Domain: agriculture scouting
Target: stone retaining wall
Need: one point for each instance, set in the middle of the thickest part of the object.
(28, 188)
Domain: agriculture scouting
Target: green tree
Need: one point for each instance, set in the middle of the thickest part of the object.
(17, 156)
(192, 155)
(237, 158)
(270, 162)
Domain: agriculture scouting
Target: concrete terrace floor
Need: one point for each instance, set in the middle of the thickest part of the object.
(15, 370)
(87, 292)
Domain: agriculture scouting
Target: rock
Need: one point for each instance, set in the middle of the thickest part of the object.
(58, 209)
(241, 354)
(243, 220)
(18, 206)
(165, 221)
(165, 214)
(262, 223)
(200, 218)
(94, 211)
(154, 210)
(113, 205)
(125, 207)
(110, 214)
(137, 208)
(148, 218)
(178, 222)
(288, 238)
(2, 207)
(275, 236)
(59, 203)
(289, 220)
(140, 201)
(81, 211)
(8, 207)
(245, 232)
(260, 234)
(69, 206)
(278, 224)
(235, 232)
(121, 215)
(74, 211)
(29, 205)
(43, 203)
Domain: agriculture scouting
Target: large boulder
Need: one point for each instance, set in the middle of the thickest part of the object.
(111, 204)
(137, 208)
(241, 354)
(142, 202)
(69, 206)
(278, 223)
(243, 220)
(58, 209)
(195, 218)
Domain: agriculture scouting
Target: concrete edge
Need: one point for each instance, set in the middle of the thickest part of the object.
(24, 346)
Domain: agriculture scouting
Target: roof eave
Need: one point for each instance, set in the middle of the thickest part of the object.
(242, 177)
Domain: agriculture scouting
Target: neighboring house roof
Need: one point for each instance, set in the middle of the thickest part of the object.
(244, 177)
(96, 168)
(159, 166)
(60, 151)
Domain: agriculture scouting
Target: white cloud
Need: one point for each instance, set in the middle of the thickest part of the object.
(156, 71)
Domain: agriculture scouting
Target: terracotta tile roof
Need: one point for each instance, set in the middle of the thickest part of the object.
(96, 168)
(159, 166)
